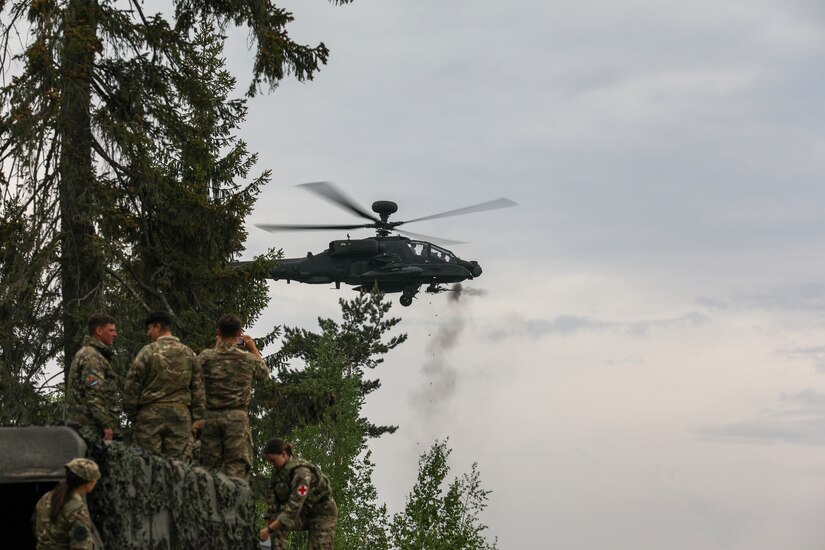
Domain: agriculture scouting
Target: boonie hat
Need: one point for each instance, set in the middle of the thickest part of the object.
(84, 468)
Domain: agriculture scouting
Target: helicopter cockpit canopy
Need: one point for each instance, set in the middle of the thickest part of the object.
(427, 250)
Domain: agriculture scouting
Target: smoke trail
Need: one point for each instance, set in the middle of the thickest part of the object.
(458, 291)
(441, 378)
(441, 373)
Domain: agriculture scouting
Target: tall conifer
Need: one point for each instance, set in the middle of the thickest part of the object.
(119, 169)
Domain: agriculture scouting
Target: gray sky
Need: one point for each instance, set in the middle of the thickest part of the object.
(646, 368)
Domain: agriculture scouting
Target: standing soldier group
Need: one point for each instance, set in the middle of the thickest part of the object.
(170, 393)
(163, 394)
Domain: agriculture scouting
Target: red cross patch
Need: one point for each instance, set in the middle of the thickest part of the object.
(302, 490)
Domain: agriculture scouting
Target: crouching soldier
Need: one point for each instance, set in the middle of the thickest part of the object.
(300, 500)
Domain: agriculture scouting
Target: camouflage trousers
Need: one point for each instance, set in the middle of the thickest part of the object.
(226, 443)
(319, 525)
(164, 429)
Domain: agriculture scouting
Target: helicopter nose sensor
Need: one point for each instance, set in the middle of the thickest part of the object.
(471, 266)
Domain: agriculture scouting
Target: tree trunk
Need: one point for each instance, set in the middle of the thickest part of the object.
(81, 258)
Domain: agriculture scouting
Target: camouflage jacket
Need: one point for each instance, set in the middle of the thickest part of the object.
(295, 491)
(164, 372)
(71, 529)
(228, 373)
(92, 397)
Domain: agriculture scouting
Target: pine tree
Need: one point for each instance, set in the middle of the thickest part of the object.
(358, 338)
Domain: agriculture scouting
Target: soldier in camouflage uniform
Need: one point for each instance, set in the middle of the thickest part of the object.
(163, 394)
(228, 372)
(92, 403)
(300, 499)
(61, 518)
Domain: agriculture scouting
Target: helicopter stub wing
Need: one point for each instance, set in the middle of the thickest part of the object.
(392, 272)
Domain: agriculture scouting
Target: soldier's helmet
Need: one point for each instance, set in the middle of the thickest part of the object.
(84, 468)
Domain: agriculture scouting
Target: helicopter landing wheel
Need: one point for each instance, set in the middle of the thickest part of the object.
(405, 300)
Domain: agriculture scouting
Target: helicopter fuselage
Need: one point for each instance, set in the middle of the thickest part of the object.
(388, 263)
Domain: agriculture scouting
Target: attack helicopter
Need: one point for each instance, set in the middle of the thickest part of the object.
(390, 263)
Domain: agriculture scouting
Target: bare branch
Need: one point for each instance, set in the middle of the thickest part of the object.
(128, 287)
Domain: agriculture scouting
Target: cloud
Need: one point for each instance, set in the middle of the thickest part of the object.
(814, 353)
(785, 297)
(566, 325)
(796, 418)
(563, 324)
(688, 320)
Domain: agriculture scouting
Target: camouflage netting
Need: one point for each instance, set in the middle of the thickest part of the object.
(145, 502)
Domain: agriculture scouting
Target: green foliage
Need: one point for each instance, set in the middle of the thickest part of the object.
(358, 338)
(436, 520)
(29, 315)
(180, 224)
(334, 364)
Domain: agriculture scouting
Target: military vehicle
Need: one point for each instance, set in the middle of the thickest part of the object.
(142, 500)
(390, 263)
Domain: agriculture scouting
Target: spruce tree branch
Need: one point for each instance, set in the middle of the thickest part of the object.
(119, 168)
(45, 383)
(153, 292)
(139, 10)
(9, 26)
(128, 287)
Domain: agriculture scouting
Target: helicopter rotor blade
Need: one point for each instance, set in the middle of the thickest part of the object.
(291, 227)
(330, 192)
(481, 207)
(436, 240)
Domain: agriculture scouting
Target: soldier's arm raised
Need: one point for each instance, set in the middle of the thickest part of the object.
(259, 369)
(250, 345)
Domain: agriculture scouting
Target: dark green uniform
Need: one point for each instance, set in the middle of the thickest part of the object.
(72, 529)
(163, 395)
(301, 498)
(92, 399)
(226, 441)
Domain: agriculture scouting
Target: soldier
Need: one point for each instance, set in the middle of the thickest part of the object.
(61, 518)
(92, 403)
(163, 394)
(300, 499)
(228, 372)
